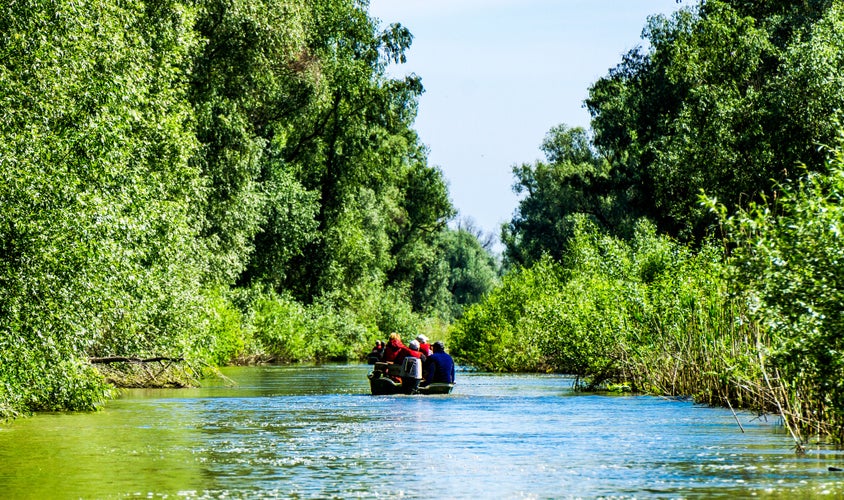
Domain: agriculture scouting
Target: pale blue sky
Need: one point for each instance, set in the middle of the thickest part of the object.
(498, 74)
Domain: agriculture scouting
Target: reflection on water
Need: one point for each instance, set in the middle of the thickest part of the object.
(315, 432)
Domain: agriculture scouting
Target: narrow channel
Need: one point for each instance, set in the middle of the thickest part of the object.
(316, 432)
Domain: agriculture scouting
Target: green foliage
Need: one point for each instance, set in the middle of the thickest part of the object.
(221, 338)
(650, 315)
(809, 91)
(250, 71)
(395, 313)
(729, 96)
(161, 160)
(573, 181)
(280, 328)
(379, 202)
(760, 329)
(456, 273)
(473, 270)
(492, 335)
(290, 226)
(95, 194)
(787, 258)
(337, 334)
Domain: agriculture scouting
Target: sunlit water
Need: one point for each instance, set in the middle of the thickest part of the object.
(315, 432)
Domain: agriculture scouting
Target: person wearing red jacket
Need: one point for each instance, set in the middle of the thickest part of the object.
(412, 349)
(393, 348)
(395, 352)
(424, 346)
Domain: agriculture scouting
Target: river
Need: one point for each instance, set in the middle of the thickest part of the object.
(315, 432)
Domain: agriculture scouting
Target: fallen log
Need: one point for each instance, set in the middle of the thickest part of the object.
(132, 359)
(135, 371)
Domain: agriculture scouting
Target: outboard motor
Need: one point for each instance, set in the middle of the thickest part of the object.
(411, 374)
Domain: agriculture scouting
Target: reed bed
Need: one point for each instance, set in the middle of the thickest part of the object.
(652, 317)
(709, 349)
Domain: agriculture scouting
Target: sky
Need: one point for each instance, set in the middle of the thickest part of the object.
(498, 74)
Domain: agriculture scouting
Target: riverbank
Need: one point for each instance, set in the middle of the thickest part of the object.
(654, 316)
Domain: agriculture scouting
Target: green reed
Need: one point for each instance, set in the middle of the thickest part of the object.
(650, 315)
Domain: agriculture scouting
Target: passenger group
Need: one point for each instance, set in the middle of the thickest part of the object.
(437, 365)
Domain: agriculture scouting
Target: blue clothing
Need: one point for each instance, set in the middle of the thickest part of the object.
(440, 369)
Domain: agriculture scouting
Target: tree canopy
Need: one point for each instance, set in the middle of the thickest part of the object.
(193, 177)
(729, 97)
(726, 96)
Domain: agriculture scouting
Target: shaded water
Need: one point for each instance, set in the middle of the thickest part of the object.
(315, 432)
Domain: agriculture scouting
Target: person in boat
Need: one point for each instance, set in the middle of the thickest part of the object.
(376, 353)
(412, 349)
(439, 366)
(393, 348)
(424, 346)
(416, 351)
(396, 351)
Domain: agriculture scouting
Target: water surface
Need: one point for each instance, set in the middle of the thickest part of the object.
(315, 432)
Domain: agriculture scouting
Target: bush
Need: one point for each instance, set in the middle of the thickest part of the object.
(280, 328)
(648, 314)
(221, 339)
(789, 260)
(498, 334)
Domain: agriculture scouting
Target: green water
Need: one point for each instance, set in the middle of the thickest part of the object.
(315, 432)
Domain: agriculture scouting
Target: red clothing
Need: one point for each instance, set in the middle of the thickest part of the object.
(425, 348)
(394, 347)
(405, 352)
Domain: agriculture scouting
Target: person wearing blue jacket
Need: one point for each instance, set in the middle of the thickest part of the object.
(440, 366)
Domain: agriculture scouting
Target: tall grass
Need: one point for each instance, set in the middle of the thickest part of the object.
(649, 315)
(788, 258)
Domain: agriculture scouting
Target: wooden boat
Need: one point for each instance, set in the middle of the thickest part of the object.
(389, 378)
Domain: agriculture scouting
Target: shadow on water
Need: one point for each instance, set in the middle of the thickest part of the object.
(315, 432)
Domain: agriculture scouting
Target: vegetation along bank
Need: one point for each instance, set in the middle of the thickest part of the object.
(690, 244)
(222, 181)
(211, 182)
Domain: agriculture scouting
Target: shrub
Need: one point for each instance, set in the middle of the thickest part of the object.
(789, 262)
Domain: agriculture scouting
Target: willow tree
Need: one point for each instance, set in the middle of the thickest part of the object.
(354, 147)
(96, 192)
(719, 101)
(251, 75)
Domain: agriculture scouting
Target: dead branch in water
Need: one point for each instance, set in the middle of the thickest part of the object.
(125, 359)
(137, 372)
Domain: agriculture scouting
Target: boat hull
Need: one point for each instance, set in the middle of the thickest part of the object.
(435, 388)
(386, 379)
(385, 386)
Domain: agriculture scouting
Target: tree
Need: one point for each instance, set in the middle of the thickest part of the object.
(573, 180)
(252, 73)
(162, 160)
(379, 201)
(96, 192)
(460, 273)
(717, 102)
